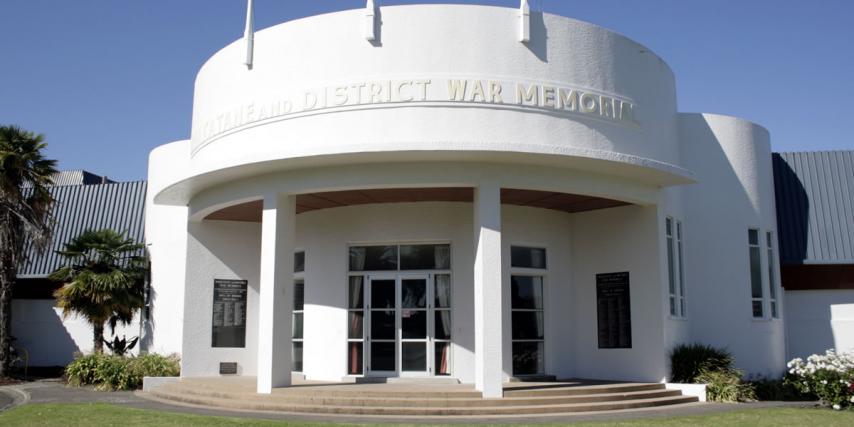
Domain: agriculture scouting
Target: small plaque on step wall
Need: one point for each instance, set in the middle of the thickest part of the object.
(228, 368)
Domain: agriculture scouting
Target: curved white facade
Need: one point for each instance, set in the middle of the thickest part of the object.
(458, 134)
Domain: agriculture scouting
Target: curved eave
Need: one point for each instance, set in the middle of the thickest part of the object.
(639, 170)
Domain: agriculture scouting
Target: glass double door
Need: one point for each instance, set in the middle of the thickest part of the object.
(400, 330)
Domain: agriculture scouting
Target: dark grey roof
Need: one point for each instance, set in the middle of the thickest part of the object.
(78, 177)
(119, 206)
(815, 206)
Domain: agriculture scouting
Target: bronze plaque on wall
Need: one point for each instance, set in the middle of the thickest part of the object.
(229, 313)
(613, 306)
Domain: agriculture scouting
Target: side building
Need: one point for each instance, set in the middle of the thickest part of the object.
(83, 201)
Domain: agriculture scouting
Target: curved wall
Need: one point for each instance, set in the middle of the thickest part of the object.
(441, 78)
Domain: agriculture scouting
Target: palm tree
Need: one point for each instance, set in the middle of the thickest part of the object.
(103, 280)
(25, 216)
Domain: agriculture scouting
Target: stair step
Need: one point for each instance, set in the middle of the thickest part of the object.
(356, 399)
(270, 403)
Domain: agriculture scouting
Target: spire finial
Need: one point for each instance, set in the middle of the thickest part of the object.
(524, 22)
(249, 34)
(370, 21)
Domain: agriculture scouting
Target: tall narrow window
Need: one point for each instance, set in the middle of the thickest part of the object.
(527, 311)
(675, 265)
(355, 325)
(772, 278)
(681, 266)
(298, 312)
(755, 273)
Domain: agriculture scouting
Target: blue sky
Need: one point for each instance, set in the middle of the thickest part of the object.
(107, 81)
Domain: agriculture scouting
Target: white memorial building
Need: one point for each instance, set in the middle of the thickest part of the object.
(466, 192)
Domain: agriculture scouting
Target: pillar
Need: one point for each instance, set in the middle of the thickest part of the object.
(275, 305)
(489, 377)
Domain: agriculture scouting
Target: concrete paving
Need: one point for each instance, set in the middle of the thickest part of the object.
(52, 391)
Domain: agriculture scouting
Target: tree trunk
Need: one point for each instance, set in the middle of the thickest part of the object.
(98, 338)
(7, 279)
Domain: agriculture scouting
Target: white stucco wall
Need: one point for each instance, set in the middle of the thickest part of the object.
(819, 320)
(48, 339)
(732, 159)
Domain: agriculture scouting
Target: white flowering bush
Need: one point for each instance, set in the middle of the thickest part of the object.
(830, 377)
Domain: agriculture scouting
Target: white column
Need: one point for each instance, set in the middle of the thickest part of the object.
(275, 304)
(489, 377)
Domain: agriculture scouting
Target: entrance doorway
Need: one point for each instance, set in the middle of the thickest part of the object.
(399, 310)
(404, 324)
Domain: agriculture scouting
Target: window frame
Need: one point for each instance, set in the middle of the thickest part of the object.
(761, 299)
(674, 235)
(299, 277)
(542, 274)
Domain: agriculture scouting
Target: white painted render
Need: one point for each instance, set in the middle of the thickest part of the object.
(818, 320)
(45, 338)
(711, 172)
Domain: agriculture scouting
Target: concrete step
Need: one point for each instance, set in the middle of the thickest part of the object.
(357, 399)
(570, 390)
(271, 403)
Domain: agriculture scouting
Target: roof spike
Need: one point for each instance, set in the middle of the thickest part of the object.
(524, 22)
(249, 34)
(370, 21)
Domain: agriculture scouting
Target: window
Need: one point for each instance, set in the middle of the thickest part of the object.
(527, 311)
(298, 312)
(355, 325)
(523, 257)
(675, 267)
(755, 273)
(772, 278)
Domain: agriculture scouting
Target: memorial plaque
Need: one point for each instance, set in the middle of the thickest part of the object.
(228, 368)
(229, 313)
(613, 305)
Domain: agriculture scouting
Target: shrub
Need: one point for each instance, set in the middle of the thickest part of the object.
(769, 389)
(687, 361)
(830, 377)
(111, 372)
(725, 385)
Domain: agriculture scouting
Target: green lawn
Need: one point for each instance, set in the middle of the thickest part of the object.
(99, 414)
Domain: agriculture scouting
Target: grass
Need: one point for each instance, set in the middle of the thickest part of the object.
(101, 414)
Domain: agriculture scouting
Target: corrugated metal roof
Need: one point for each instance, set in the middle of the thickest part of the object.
(78, 177)
(815, 206)
(118, 206)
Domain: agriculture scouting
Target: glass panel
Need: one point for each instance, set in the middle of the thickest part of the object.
(297, 325)
(528, 358)
(442, 361)
(373, 258)
(527, 257)
(755, 273)
(414, 323)
(382, 356)
(757, 308)
(774, 308)
(681, 269)
(425, 257)
(356, 324)
(671, 268)
(443, 291)
(299, 295)
(413, 293)
(526, 292)
(382, 294)
(414, 356)
(442, 324)
(354, 358)
(299, 262)
(296, 356)
(753, 237)
(668, 226)
(382, 324)
(357, 296)
(527, 325)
